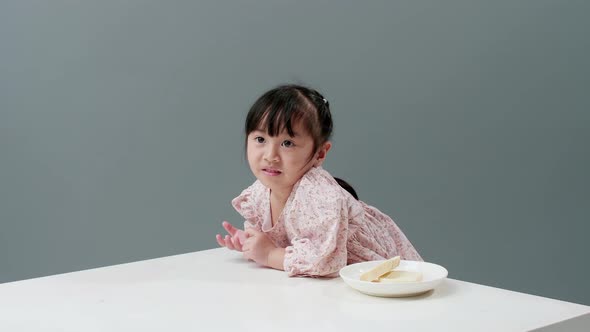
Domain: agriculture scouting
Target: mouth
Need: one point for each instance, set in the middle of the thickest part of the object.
(271, 171)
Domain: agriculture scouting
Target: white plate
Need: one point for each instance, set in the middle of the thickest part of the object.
(432, 275)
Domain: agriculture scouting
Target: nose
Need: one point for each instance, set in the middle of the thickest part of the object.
(271, 154)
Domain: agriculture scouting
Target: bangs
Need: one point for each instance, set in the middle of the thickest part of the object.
(275, 114)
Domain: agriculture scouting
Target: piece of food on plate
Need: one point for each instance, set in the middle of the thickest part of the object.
(380, 269)
(400, 276)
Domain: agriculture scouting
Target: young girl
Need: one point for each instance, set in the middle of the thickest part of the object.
(299, 218)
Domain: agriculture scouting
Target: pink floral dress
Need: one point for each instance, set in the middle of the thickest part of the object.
(322, 227)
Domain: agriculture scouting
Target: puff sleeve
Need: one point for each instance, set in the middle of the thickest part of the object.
(247, 205)
(318, 232)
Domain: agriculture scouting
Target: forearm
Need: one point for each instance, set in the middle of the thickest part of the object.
(276, 257)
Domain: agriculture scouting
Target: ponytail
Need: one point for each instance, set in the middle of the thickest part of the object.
(347, 187)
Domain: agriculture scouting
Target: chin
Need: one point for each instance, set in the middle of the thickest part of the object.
(269, 183)
(265, 181)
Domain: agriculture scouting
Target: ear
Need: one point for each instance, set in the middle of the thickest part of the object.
(322, 153)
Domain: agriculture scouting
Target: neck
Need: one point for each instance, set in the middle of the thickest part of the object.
(280, 196)
(278, 199)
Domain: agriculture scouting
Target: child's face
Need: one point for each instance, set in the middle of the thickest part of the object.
(280, 161)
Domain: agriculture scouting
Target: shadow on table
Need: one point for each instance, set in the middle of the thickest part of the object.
(344, 292)
(357, 305)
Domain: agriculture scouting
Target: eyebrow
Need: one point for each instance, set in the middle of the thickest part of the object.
(261, 130)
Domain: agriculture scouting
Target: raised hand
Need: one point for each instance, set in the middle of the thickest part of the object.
(234, 239)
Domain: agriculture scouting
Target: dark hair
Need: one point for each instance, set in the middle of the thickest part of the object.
(280, 108)
(347, 187)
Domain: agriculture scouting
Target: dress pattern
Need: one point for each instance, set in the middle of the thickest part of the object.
(322, 227)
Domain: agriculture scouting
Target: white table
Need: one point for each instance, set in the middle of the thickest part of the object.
(216, 290)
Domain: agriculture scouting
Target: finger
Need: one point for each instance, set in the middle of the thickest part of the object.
(251, 232)
(228, 242)
(242, 236)
(236, 243)
(220, 240)
(229, 228)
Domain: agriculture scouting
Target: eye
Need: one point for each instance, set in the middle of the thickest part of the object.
(259, 139)
(288, 144)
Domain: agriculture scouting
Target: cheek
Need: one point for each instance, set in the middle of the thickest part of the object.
(250, 154)
(300, 161)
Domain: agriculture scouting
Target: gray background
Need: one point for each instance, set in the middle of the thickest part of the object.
(467, 122)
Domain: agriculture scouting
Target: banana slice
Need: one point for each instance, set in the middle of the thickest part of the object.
(381, 269)
(400, 276)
